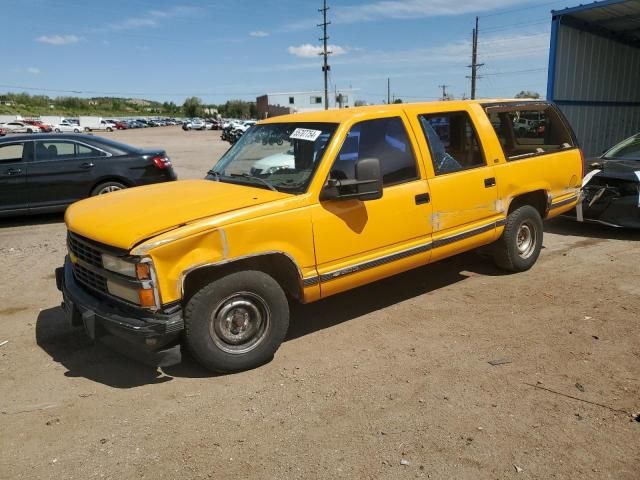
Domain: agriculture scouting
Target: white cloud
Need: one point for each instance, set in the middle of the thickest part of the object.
(153, 17)
(259, 34)
(307, 50)
(33, 70)
(405, 9)
(402, 9)
(58, 39)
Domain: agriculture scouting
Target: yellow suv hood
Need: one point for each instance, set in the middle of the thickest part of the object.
(125, 218)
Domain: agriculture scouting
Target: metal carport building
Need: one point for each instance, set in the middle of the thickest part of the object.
(594, 71)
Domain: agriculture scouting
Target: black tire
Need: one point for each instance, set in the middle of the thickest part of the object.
(29, 130)
(519, 246)
(87, 129)
(76, 130)
(57, 130)
(250, 296)
(109, 129)
(107, 187)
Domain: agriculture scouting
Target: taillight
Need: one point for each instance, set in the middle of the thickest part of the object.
(161, 162)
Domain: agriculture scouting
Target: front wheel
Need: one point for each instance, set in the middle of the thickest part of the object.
(236, 322)
(109, 129)
(519, 246)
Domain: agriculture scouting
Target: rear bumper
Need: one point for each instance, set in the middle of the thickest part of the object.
(150, 337)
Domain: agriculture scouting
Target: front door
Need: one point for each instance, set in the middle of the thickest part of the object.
(357, 241)
(61, 172)
(463, 187)
(13, 176)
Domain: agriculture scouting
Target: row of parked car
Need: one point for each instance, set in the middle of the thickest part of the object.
(83, 124)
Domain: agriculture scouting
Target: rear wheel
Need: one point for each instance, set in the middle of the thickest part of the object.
(109, 129)
(29, 130)
(107, 187)
(76, 130)
(519, 246)
(236, 322)
(57, 130)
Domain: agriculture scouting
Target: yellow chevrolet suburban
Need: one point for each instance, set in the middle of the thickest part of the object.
(309, 205)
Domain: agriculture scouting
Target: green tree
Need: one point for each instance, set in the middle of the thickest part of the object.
(527, 94)
(397, 100)
(192, 107)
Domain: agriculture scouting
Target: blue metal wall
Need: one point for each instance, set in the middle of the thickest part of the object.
(596, 82)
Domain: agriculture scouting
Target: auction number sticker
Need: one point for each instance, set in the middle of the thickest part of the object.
(305, 134)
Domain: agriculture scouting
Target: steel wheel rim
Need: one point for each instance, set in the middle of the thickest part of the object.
(109, 189)
(526, 240)
(240, 323)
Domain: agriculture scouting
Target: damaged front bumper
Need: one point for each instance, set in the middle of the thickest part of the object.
(152, 338)
(611, 199)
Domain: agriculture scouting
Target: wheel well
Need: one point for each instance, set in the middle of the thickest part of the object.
(537, 199)
(277, 265)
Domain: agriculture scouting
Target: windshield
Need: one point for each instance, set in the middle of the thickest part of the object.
(628, 149)
(277, 156)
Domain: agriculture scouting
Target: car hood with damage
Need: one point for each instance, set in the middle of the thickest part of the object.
(125, 218)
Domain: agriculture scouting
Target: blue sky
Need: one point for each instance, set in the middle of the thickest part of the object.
(218, 50)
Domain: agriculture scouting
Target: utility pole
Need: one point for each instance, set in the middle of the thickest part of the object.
(474, 62)
(388, 90)
(325, 53)
(444, 91)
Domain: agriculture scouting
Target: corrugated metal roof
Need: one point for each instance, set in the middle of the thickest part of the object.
(618, 18)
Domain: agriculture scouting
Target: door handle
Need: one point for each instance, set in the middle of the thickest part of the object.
(489, 182)
(422, 198)
(14, 171)
(87, 165)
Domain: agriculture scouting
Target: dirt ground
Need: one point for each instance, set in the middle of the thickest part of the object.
(392, 380)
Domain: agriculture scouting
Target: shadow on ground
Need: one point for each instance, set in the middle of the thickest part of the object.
(81, 357)
(571, 227)
(27, 220)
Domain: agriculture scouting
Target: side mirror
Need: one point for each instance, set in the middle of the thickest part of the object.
(366, 186)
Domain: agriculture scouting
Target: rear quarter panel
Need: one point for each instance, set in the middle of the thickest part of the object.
(558, 174)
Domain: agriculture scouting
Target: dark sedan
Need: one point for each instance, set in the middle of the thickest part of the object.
(45, 173)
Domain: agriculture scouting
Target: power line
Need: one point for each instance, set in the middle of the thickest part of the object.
(503, 12)
(514, 72)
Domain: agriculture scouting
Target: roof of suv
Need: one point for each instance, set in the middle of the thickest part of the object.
(339, 115)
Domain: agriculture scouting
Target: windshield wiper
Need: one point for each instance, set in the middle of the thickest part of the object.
(214, 174)
(251, 177)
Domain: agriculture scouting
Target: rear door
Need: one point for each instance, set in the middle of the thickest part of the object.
(463, 184)
(13, 175)
(62, 172)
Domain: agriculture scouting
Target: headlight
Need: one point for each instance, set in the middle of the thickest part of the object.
(142, 292)
(118, 265)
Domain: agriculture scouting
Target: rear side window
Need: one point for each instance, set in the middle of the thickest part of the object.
(11, 153)
(453, 142)
(385, 139)
(54, 150)
(84, 151)
(526, 131)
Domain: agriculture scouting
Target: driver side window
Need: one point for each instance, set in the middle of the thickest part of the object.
(385, 139)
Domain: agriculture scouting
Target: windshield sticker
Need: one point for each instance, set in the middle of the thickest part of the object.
(305, 134)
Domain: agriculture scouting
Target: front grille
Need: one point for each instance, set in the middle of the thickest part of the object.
(84, 251)
(90, 279)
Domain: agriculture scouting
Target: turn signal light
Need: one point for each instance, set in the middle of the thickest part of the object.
(147, 298)
(143, 271)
